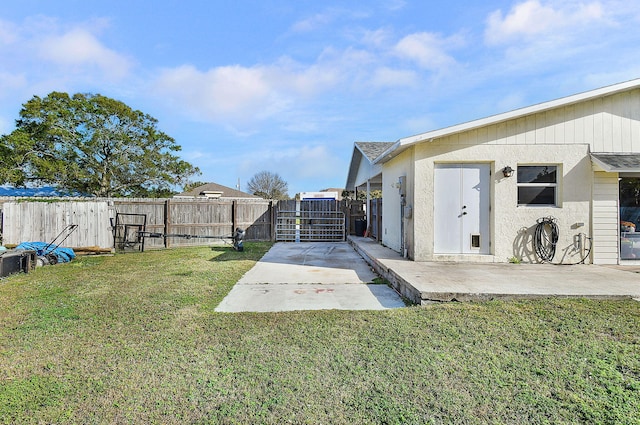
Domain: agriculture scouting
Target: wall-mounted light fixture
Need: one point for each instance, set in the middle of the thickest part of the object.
(507, 171)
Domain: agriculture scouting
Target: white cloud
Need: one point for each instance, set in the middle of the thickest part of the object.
(47, 55)
(224, 93)
(604, 78)
(9, 81)
(418, 124)
(534, 19)
(239, 95)
(8, 32)
(312, 23)
(376, 38)
(396, 4)
(511, 101)
(314, 161)
(561, 37)
(303, 161)
(387, 77)
(324, 19)
(428, 50)
(303, 166)
(78, 48)
(308, 80)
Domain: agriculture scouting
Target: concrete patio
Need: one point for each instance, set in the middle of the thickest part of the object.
(424, 282)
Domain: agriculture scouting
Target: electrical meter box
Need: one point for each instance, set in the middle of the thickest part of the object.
(402, 185)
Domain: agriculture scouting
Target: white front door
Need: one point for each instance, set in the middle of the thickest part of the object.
(461, 208)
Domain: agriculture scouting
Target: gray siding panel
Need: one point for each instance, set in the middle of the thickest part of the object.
(605, 218)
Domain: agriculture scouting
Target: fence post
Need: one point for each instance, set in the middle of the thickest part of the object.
(272, 219)
(167, 222)
(234, 211)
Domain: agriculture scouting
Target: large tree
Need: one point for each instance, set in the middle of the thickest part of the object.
(91, 144)
(268, 185)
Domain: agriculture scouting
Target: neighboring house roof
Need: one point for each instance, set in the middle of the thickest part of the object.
(617, 162)
(368, 151)
(404, 143)
(214, 190)
(338, 190)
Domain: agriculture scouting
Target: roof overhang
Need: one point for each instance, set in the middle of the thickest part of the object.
(356, 158)
(617, 162)
(373, 183)
(365, 153)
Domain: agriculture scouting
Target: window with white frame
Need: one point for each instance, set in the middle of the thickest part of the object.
(537, 185)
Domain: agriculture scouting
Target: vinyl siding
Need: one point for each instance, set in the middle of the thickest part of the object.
(609, 124)
(605, 218)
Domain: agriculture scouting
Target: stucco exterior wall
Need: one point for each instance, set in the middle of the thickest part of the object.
(511, 226)
(563, 136)
(402, 165)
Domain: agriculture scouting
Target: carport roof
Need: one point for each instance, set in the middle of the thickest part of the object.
(367, 151)
(372, 150)
(617, 162)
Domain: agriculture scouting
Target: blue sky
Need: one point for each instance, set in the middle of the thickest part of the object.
(289, 86)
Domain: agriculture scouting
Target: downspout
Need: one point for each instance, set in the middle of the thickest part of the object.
(403, 249)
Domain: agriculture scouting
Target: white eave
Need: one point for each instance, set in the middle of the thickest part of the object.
(404, 143)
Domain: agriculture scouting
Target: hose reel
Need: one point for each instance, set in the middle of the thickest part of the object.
(545, 238)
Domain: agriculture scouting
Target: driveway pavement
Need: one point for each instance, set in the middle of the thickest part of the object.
(310, 276)
(315, 276)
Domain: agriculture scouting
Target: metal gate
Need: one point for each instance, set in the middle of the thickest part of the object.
(310, 221)
(127, 231)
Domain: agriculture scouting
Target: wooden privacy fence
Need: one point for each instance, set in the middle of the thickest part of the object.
(42, 220)
(28, 220)
(24, 221)
(203, 219)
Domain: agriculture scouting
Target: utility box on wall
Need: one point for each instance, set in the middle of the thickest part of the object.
(402, 185)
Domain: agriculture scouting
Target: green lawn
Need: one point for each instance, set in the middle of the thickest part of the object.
(134, 338)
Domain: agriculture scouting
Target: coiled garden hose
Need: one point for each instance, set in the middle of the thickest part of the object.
(545, 238)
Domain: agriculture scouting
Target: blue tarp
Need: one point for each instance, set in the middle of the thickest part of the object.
(42, 248)
(37, 191)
